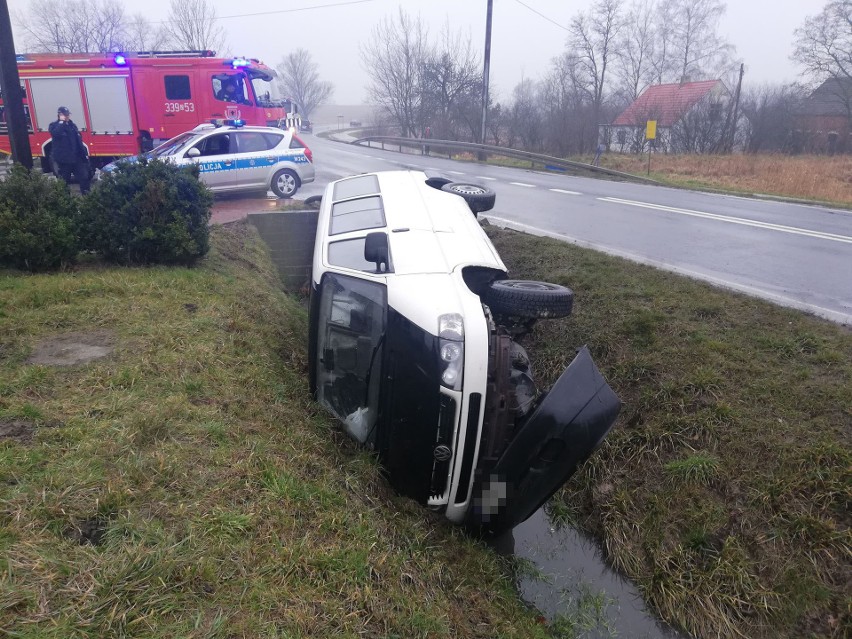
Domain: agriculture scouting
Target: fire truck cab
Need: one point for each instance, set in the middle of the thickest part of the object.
(125, 104)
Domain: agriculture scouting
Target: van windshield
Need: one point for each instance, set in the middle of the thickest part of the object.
(169, 147)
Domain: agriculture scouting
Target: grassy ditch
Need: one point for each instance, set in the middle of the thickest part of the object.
(724, 489)
(185, 486)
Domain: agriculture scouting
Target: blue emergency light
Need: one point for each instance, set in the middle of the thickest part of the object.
(120, 60)
(240, 62)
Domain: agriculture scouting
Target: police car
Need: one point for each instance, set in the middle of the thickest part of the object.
(414, 345)
(233, 157)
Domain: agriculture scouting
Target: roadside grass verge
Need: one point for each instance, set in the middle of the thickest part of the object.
(724, 489)
(186, 486)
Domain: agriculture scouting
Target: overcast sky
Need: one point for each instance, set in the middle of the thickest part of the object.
(523, 42)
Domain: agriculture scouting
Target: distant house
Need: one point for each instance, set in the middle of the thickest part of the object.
(690, 116)
(824, 119)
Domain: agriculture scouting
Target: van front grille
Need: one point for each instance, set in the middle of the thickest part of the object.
(469, 447)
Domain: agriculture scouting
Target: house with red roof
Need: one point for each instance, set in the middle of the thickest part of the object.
(691, 118)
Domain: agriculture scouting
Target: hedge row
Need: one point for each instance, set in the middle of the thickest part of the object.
(146, 212)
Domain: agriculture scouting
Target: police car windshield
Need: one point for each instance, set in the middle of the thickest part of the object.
(168, 148)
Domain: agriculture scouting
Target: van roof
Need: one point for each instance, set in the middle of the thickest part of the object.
(429, 230)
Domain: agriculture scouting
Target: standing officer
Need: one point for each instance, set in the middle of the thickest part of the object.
(68, 150)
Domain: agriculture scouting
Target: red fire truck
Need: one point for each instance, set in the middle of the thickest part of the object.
(125, 104)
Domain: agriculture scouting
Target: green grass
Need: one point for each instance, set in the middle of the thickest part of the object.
(724, 488)
(186, 486)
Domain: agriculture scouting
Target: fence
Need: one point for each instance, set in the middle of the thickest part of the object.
(427, 146)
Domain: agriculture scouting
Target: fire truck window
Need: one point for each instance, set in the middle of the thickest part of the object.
(215, 145)
(177, 87)
(229, 88)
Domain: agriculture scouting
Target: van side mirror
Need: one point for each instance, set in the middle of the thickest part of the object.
(376, 250)
(193, 153)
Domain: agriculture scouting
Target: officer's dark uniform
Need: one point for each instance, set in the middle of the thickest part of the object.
(68, 151)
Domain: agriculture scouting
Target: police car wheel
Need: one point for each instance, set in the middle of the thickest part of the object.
(285, 183)
(478, 198)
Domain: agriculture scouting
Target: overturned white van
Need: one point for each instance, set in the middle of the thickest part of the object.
(413, 348)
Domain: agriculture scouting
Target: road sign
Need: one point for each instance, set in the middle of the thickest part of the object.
(651, 130)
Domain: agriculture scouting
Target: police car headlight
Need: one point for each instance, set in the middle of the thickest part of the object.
(451, 349)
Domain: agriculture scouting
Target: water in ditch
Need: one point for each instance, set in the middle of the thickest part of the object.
(563, 574)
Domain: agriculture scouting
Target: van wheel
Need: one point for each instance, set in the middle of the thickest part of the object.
(478, 198)
(285, 183)
(525, 298)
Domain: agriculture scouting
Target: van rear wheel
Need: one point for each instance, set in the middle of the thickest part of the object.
(478, 198)
(530, 299)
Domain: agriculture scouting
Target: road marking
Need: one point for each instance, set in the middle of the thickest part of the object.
(484, 177)
(456, 172)
(566, 192)
(431, 168)
(734, 220)
(529, 186)
(835, 316)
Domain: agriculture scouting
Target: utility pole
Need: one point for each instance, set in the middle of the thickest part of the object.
(13, 97)
(485, 73)
(736, 107)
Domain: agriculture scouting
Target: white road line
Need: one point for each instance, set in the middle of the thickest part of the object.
(734, 220)
(529, 186)
(566, 192)
(456, 172)
(431, 168)
(835, 316)
(484, 177)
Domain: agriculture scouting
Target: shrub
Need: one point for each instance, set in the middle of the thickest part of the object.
(38, 221)
(148, 212)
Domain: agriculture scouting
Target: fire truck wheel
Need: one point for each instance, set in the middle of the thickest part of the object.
(478, 198)
(285, 183)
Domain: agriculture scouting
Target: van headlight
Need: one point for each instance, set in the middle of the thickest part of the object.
(451, 349)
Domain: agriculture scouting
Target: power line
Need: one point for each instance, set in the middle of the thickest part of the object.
(266, 13)
(540, 14)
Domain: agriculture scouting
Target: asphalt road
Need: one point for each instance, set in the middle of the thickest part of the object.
(793, 254)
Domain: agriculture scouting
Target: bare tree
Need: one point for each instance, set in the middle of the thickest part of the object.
(566, 107)
(193, 25)
(452, 84)
(80, 26)
(769, 116)
(824, 49)
(395, 59)
(701, 51)
(636, 49)
(663, 54)
(593, 37)
(141, 35)
(299, 79)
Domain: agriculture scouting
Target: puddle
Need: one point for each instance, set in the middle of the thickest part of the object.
(567, 580)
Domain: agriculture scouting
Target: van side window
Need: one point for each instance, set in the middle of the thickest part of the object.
(177, 87)
(350, 254)
(355, 215)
